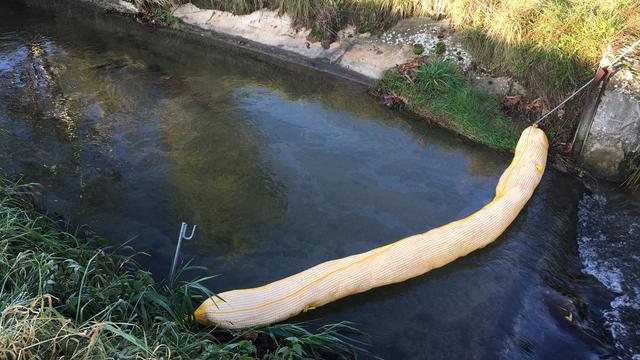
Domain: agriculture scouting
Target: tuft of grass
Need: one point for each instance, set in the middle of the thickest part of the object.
(316, 34)
(632, 169)
(440, 92)
(438, 78)
(157, 12)
(61, 297)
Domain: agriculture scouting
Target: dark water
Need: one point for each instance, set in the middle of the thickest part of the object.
(133, 130)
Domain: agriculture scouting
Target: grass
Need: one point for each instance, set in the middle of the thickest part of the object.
(440, 92)
(632, 169)
(62, 296)
(141, 4)
(418, 49)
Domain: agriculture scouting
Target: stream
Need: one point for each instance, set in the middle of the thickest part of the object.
(132, 130)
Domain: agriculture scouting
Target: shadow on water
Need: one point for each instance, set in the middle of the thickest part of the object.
(132, 130)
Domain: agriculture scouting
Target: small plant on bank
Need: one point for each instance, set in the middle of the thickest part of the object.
(418, 49)
(364, 28)
(440, 48)
(156, 12)
(315, 34)
(164, 17)
(438, 78)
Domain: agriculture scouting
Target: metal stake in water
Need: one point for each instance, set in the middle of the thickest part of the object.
(182, 236)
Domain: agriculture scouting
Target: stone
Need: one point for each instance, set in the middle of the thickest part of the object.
(263, 26)
(372, 60)
(429, 33)
(499, 86)
(614, 134)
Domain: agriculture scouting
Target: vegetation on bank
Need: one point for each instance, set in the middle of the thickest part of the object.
(440, 92)
(63, 297)
(549, 46)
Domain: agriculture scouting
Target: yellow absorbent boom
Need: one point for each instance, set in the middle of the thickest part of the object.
(393, 263)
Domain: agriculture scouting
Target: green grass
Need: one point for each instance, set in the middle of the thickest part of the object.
(61, 296)
(440, 92)
(164, 17)
(418, 49)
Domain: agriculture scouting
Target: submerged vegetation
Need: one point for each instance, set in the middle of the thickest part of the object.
(440, 92)
(63, 297)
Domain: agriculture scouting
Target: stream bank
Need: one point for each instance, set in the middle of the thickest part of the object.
(355, 53)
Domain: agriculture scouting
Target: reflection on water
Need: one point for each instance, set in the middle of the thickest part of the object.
(219, 176)
(132, 132)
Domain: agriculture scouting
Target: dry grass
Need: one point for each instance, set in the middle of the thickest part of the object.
(550, 46)
(145, 4)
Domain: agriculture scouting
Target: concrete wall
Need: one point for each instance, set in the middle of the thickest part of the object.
(609, 132)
